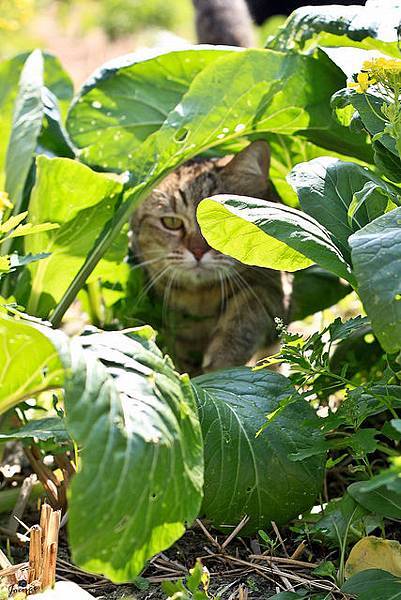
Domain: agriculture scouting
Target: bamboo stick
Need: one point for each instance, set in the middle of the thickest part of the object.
(35, 554)
(50, 523)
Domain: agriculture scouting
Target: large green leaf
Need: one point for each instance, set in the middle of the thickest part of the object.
(141, 475)
(128, 99)
(380, 500)
(376, 256)
(274, 93)
(343, 522)
(369, 113)
(363, 27)
(249, 475)
(135, 421)
(81, 202)
(27, 123)
(315, 289)
(29, 363)
(286, 152)
(53, 139)
(48, 428)
(387, 162)
(266, 234)
(373, 583)
(55, 79)
(326, 188)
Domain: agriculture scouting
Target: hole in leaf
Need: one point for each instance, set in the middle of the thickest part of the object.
(181, 135)
(369, 338)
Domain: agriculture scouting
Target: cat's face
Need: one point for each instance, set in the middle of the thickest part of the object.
(165, 235)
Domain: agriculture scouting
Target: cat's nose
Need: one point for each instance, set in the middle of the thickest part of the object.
(198, 253)
(198, 246)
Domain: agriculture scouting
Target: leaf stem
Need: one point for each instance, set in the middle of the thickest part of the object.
(108, 235)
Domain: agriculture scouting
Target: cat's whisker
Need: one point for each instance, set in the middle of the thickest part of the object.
(152, 281)
(227, 287)
(146, 262)
(166, 296)
(248, 288)
(222, 291)
(234, 298)
(262, 272)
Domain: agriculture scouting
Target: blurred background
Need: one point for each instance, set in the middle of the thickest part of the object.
(86, 33)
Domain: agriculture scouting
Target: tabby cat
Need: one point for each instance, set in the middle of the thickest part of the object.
(219, 312)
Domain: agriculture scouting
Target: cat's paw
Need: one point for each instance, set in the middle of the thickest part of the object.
(207, 364)
(213, 362)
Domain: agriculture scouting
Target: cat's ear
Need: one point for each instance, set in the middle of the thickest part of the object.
(254, 161)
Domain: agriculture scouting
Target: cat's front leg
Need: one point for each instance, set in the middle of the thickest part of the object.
(246, 326)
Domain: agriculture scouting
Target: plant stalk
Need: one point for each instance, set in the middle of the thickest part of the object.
(107, 238)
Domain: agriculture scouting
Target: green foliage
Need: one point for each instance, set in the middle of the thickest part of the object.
(344, 522)
(124, 402)
(27, 123)
(373, 583)
(261, 107)
(49, 428)
(13, 228)
(55, 79)
(375, 255)
(19, 340)
(354, 26)
(126, 17)
(315, 289)
(250, 474)
(80, 219)
(382, 498)
(286, 152)
(270, 235)
(329, 190)
(190, 589)
(117, 109)
(149, 443)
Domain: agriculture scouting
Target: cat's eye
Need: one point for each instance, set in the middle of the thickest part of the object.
(172, 223)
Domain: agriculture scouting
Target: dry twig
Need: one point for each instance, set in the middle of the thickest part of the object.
(280, 539)
(209, 536)
(19, 508)
(236, 531)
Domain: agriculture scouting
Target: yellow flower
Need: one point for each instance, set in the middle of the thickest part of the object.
(387, 74)
(4, 201)
(382, 65)
(362, 83)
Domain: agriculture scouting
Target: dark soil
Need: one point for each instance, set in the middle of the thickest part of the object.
(225, 578)
(232, 568)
